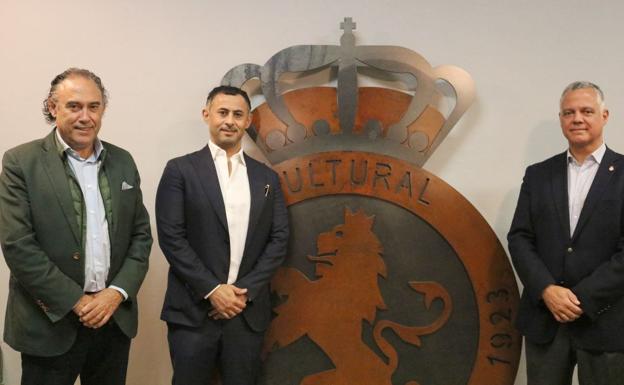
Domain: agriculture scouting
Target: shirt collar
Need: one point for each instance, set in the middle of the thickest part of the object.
(216, 151)
(64, 148)
(597, 155)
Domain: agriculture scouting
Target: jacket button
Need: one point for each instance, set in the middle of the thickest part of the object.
(570, 249)
(76, 256)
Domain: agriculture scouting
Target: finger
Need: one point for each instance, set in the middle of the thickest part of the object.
(105, 317)
(92, 314)
(234, 312)
(235, 303)
(568, 314)
(573, 298)
(103, 321)
(78, 307)
(90, 321)
(572, 309)
(239, 291)
(90, 325)
(572, 317)
(216, 304)
(556, 315)
(86, 309)
(88, 318)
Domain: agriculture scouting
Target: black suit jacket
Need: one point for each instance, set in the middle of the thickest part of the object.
(590, 262)
(193, 235)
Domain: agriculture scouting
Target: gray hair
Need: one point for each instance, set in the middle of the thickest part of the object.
(58, 79)
(578, 85)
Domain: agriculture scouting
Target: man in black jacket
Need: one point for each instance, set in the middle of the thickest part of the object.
(567, 245)
(223, 227)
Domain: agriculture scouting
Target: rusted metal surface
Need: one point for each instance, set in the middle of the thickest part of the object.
(423, 232)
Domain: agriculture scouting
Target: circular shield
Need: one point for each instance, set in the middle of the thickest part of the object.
(392, 277)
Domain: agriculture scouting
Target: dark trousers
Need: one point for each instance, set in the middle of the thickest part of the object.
(227, 345)
(99, 356)
(553, 363)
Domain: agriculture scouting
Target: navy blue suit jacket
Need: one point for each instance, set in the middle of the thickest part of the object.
(193, 235)
(590, 262)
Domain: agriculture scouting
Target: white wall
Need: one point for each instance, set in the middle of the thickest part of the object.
(159, 58)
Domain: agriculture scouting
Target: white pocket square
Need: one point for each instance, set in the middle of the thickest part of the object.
(125, 186)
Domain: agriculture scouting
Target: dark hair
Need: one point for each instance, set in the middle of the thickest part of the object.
(228, 90)
(64, 75)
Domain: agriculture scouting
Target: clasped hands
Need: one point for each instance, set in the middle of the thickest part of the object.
(95, 310)
(227, 302)
(562, 303)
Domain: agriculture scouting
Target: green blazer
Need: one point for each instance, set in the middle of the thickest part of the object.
(42, 245)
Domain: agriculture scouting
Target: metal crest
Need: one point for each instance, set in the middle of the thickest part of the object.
(445, 91)
(391, 277)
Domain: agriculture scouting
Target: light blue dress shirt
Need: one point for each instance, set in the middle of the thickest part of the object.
(97, 243)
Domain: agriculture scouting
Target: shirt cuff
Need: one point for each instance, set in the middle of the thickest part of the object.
(212, 291)
(122, 291)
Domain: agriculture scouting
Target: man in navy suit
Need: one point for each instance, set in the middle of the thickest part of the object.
(223, 227)
(567, 244)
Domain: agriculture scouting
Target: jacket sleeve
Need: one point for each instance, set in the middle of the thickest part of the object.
(605, 285)
(172, 236)
(521, 238)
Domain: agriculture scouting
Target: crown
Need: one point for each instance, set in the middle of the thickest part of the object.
(407, 119)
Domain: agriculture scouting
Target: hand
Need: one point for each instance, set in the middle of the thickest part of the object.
(227, 301)
(85, 299)
(562, 303)
(100, 309)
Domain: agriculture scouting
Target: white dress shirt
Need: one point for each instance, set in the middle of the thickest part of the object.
(580, 178)
(237, 199)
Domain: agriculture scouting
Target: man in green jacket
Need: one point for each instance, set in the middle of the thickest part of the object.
(76, 238)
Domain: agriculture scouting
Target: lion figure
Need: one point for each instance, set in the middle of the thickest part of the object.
(345, 291)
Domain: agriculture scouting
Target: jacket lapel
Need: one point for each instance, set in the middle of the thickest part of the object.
(597, 189)
(114, 176)
(559, 180)
(57, 174)
(204, 167)
(259, 193)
